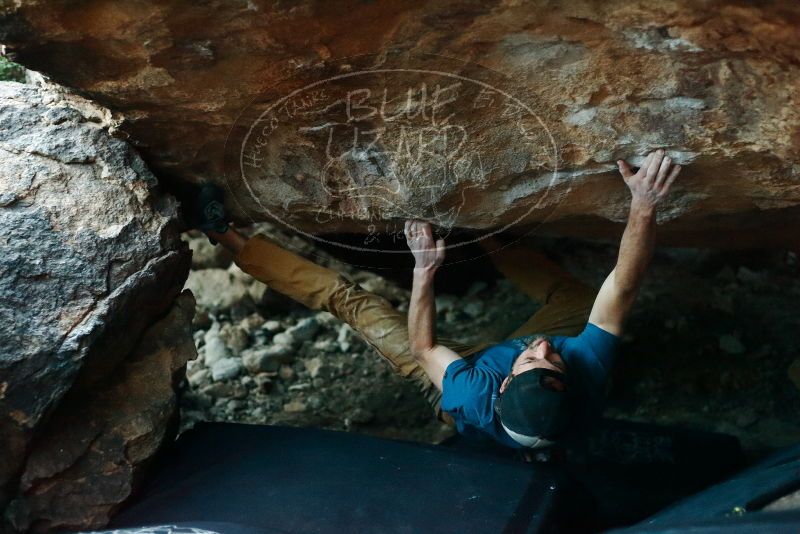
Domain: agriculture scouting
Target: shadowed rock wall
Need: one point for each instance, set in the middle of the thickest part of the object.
(99, 442)
(91, 258)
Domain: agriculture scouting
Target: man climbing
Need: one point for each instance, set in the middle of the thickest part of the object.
(541, 385)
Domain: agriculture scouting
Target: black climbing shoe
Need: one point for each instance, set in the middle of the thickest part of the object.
(210, 209)
(202, 207)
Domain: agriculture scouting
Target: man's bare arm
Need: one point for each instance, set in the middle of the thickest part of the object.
(428, 255)
(648, 187)
(422, 312)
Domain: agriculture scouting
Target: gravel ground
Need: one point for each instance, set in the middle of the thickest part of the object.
(712, 344)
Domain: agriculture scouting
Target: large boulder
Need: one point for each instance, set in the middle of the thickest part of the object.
(91, 258)
(100, 441)
(537, 100)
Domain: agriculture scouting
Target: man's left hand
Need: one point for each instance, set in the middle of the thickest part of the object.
(651, 183)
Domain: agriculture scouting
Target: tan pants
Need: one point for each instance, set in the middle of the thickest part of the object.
(566, 302)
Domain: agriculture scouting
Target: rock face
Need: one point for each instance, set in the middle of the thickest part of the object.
(505, 114)
(99, 442)
(91, 258)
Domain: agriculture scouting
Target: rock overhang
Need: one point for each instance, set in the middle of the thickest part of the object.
(716, 85)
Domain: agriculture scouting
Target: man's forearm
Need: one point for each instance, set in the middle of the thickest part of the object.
(636, 247)
(649, 185)
(422, 313)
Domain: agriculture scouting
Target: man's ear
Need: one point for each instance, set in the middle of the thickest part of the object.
(504, 385)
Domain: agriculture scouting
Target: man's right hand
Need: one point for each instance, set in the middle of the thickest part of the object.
(428, 254)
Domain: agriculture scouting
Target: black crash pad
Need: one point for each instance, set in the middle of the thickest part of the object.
(735, 504)
(632, 470)
(277, 479)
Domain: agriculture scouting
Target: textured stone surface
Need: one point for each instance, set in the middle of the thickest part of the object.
(224, 288)
(91, 257)
(715, 82)
(94, 451)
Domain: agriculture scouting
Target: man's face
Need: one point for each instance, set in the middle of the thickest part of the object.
(539, 354)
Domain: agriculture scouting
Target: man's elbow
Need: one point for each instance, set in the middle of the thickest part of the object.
(420, 352)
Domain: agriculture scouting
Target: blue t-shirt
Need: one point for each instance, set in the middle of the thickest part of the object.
(471, 385)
